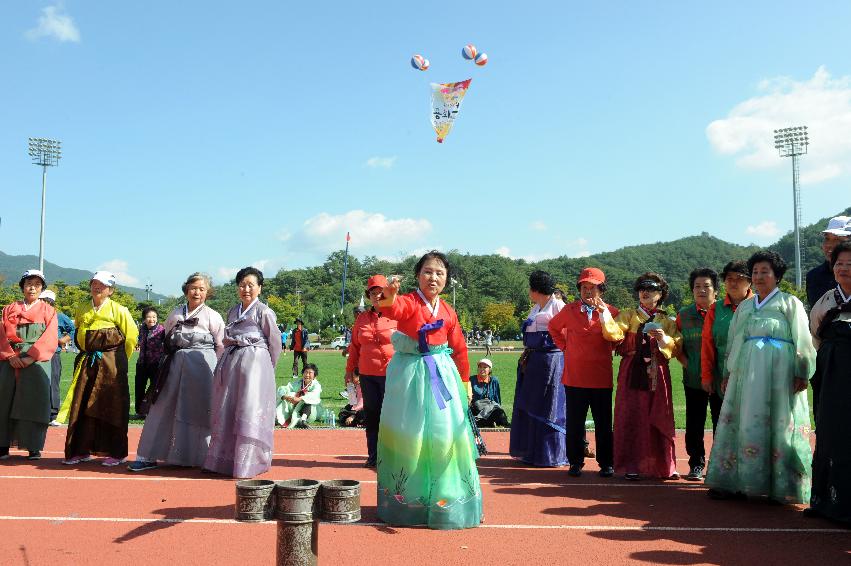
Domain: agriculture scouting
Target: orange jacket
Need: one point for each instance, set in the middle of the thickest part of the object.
(370, 349)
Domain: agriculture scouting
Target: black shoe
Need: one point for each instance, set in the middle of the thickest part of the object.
(4, 453)
(695, 473)
(34, 455)
(631, 477)
(370, 463)
(607, 472)
(722, 494)
(811, 513)
(575, 470)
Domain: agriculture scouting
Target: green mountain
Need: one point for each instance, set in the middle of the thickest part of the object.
(811, 238)
(11, 267)
(314, 292)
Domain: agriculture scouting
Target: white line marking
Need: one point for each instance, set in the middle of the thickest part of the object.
(485, 526)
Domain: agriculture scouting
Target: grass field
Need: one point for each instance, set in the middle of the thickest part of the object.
(332, 367)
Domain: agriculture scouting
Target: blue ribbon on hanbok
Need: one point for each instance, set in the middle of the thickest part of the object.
(94, 357)
(438, 387)
(763, 340)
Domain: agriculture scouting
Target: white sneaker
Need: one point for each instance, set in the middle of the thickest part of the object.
(54, 422)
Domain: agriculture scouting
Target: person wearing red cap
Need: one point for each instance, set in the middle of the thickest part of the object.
(369, 353)
(577, 330)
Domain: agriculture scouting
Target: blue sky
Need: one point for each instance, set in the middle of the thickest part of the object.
(211, 135)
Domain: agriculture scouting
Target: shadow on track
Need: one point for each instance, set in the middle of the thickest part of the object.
(172, 516)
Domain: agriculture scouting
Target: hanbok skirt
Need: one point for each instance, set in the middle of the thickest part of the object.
(177, 429)
(426, 455)
(243, 413)
(24, 404)
(538, 433)
(97, 405)
(831, 487)
(761, 445)
(644, 423)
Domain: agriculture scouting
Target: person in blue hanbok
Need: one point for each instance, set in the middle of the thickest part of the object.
(538, 433)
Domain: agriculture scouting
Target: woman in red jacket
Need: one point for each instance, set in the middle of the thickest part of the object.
(369, 353)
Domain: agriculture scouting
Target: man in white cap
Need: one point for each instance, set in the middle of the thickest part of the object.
(66, 334)
(820, 279)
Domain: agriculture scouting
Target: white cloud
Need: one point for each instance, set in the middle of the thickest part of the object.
(766, 229)
(505, 251)
(226, 274)
(54, 22)
(381, 162)
(538, 226)
(119, 268)
(372, 233)
(822, 103)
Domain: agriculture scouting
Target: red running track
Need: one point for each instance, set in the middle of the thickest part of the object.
(87, 514)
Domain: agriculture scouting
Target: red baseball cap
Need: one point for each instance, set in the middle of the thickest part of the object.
(376, 281)
(592, 275)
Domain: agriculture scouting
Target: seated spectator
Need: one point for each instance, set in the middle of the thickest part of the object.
(352, 415)
(300, 399)
(486, 403)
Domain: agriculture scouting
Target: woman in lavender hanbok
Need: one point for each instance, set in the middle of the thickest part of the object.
(177, 430)
(243, 418)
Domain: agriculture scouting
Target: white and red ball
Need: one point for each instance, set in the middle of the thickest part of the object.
(469, 52)
(482, 59)
(419, 62)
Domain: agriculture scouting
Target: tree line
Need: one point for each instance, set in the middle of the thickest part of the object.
(489, 291)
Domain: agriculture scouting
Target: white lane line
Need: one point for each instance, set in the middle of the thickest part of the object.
(218, 478)
(770, 530)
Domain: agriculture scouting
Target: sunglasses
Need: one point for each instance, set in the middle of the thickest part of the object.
(649, 286)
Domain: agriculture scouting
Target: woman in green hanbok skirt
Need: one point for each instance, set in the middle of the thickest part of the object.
(762, 445)
(426, 451)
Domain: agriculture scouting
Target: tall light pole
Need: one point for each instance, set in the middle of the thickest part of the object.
(454, 283)
(148, 288)
(47, 153)
(793, 142)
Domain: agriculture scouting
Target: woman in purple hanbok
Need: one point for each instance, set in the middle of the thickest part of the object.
(177, 430)
(244, 385)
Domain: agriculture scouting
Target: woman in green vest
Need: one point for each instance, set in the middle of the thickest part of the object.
(716, 326)
(704, 284)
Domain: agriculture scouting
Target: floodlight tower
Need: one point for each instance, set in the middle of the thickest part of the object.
(47, 153)
(793, 142)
